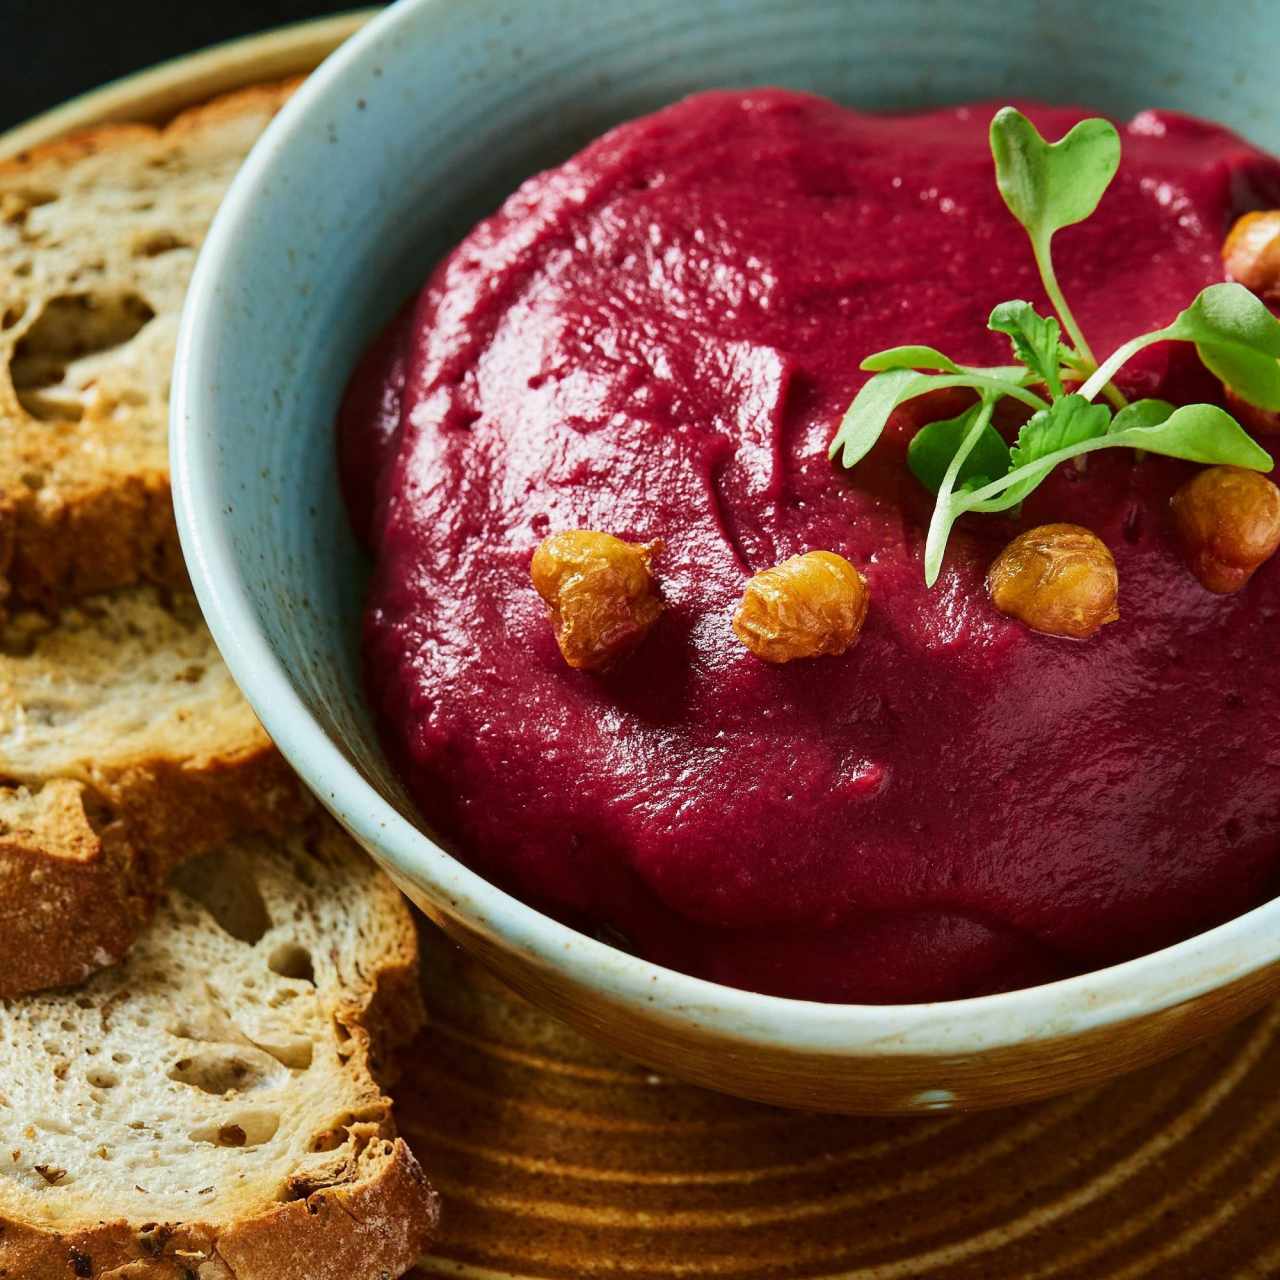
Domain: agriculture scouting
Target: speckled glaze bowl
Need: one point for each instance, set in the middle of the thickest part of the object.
(417, 126)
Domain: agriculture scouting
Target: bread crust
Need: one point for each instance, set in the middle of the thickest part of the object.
(111, 535)
(75, 146)
(377, 1225)
(67, 870)
(88, 871)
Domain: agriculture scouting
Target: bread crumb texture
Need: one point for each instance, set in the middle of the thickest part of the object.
(98, 237)
(211, 1106)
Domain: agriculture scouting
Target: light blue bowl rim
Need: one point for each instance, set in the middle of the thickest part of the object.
(1157, 981)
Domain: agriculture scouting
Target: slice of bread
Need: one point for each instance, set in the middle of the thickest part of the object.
(98, 236)
(125, 747)
(209, 1109)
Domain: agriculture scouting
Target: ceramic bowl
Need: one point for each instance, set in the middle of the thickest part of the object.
(413, 129)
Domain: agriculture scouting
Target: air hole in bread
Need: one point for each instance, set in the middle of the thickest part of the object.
(331, 1139)
(223, 883)
(53, 1175)
(15, 205)
(290, 960)
(103, 1079)
(245, 1129)
(12, 315)
(52, 368)
(296, 1054)
(151, 244)
(49, 715)
(217, 1073)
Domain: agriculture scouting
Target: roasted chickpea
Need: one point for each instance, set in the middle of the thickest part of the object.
(809, 606)
(1228, 522)
(1057, 578)
(1249, 415)
(1251, 252)
(600, 594)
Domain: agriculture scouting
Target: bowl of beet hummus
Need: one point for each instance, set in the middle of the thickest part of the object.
(493, 316)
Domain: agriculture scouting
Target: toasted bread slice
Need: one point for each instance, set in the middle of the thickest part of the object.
(125, 747)
(210, 1107)
(98, 236)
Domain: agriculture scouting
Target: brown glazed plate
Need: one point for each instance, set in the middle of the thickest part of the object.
(558, 1158)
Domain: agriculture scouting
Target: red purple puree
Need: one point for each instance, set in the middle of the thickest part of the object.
(657, 340)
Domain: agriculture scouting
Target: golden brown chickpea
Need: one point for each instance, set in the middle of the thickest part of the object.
(600, 594)
(1228, 522)
(1251, 252)
(1057, 578)
(809, 606)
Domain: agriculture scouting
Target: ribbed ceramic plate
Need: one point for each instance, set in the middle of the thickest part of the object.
(557, 1159)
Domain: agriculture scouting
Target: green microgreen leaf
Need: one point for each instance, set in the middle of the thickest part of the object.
(1048, 186)
(1035, 338)
(932, 448)
(1196, 432)
(1141, 413)
(1237, 338)
(865, 418)
(1051, 185)
(1068, 421)
(1066, 424)
(909, 358)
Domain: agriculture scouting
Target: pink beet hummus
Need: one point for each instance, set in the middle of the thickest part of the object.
(657, 340)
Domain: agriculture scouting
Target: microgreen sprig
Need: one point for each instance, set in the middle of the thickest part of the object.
(965, 460)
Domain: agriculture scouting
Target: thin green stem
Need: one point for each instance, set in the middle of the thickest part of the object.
(1112, 393)
(1050, 281)
(944, 512)
(1049, 278)
(1100, 378)
(980, 382)
(981, 499)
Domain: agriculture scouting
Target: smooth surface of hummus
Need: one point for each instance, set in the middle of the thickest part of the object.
(657, 340)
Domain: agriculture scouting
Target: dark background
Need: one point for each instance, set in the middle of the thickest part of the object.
(51, 50)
